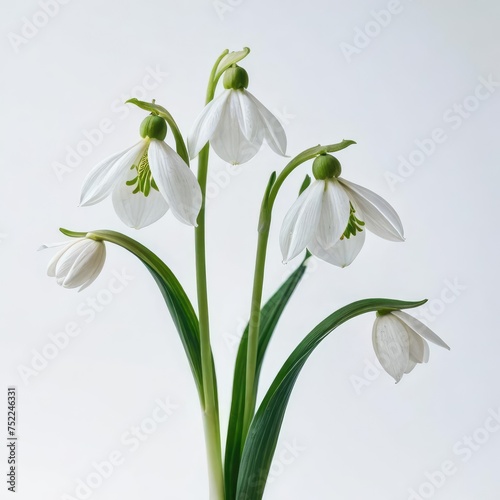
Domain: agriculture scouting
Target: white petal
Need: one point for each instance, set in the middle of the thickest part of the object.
(426, 352)
(274, 133)
(229, 141)
(102, 178)
(392, 345)
(342, 253)
(301, 221)
(137, 210)
(248, 116)
(417, 346)
(70, 256)
(380, 218)
(176, 182)
(335, 210)
(78, 265)
(100, 260)
(51, 269)
(409, 367)
(206, 124)
(418, 327)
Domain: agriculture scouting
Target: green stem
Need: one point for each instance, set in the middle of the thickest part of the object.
(254, 329)
(260, 264)
(211, 410)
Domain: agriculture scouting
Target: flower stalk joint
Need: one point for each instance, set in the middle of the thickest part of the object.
(235, 78)
(326, 166)
(154, 127)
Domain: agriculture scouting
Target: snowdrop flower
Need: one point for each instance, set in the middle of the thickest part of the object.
(236, 123)
(400, 342)
(331, 215)
(78, 263)
(145, 180)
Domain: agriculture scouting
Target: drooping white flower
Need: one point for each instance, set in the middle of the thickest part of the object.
(331, 215)
(145, 181)
(400, 342)
(236, 123)
(78, 263)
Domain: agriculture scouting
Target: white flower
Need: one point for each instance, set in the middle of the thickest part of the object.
(400, 343)
(145, 180)
(78, 263)
(236, 124)
(330, 217)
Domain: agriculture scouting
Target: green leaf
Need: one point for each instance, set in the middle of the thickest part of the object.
(265, 428)
(270, 315)
(178, 303)
(156, 109)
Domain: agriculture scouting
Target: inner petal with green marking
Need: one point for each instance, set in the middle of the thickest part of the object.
(143, 181)
(354, 225)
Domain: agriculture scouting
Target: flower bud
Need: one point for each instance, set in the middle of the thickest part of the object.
(326, 167)
(78, 263)
(154, 127)
(235, 78)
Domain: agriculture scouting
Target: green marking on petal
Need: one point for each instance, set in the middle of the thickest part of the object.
(144, 180)
(354, 225)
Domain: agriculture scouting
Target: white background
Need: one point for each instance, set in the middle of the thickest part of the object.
(360, 436)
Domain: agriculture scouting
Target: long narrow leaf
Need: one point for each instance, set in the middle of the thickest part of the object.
(270, 315)
(265, 428)
(178, 303)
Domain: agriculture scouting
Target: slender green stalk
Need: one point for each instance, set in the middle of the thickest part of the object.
(211, 410)
(254, 328)
(260, 264)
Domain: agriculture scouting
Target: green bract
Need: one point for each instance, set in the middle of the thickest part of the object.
(326, 167)
(235, 78)
(154, 127)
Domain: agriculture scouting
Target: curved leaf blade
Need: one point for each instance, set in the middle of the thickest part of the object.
(178, 303)
(265, 428)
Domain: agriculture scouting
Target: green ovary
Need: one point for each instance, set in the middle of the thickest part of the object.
(144, 181)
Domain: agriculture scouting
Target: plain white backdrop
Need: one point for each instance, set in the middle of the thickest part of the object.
(355, 434)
